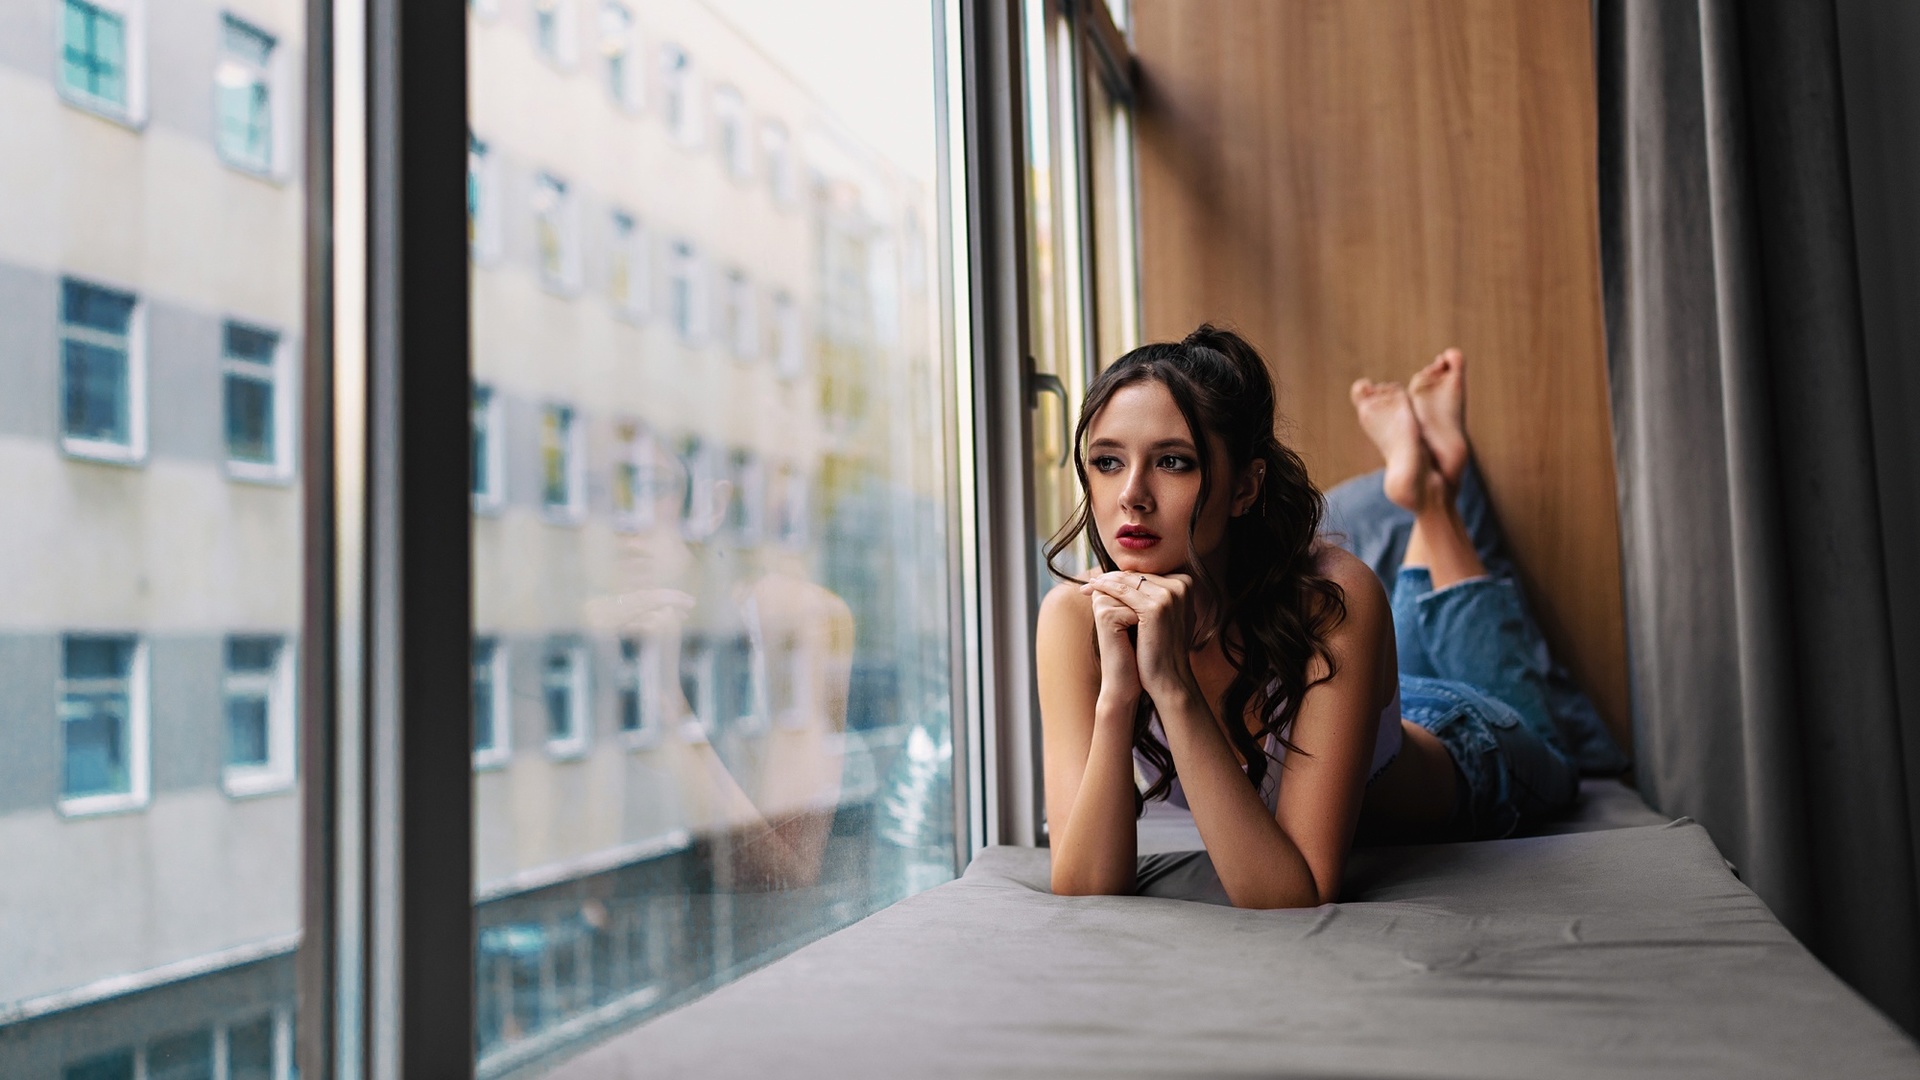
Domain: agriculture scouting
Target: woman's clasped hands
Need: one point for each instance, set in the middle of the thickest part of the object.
(1154, 658)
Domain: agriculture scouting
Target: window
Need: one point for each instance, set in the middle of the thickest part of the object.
(635, 484)
(736, 143)
(102, 371)
(259, 713)
(560, 463)
(738, 320)
(617, 47)
(747, 502)
(489, 443)
(258, 414)
(789, 351)
(554, 234)
(100, 56)
(686, 292)
(103, 723)
(782, 177)
(563, 692)
(483, 214)
(698, 687)
(677, 96)
(790, 502)
(491, 729)
(555, 33)
(698, 515)
(243, 97)
(627, 278)
(256, 1049)
(639, 700)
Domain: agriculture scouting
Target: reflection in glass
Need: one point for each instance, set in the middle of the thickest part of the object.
(730, 655)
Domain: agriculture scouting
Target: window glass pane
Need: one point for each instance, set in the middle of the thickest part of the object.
(722, 601)
(485, 734)
(150, 588)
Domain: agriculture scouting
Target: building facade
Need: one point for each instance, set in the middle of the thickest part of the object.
(710, 533)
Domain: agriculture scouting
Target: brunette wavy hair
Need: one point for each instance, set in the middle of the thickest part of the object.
(1272, 610)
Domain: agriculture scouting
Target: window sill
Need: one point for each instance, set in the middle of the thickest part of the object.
(107, 453)
(488, 506)
(693, 731)
(270, 174)
(242, 783)
(491, 760)
(646, 737)
(567, 750)
(563, 517)
(118, 115)
(86, 806)
(249, 472)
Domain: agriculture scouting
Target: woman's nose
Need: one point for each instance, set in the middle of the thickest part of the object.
(1135, 496)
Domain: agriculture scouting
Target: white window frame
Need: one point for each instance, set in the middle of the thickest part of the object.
(699, 517)
(781, 155)
(579, 706)
(620, 36)
(134, 15)
(554, 204)
(789, 347)
(277, 74)
(280, 371)
(680, 95)
(139, 744)
(640, 675)
(483, 171)
(574, 445)
(277, 774)
(740, 327)
(686, 271)
(634, 448)
(733, 128)
(134, 450)
(754, 720)
(501, 751)
(700, 724)
(749, 479)
(565, 53)
(632, 242)
(494, 415)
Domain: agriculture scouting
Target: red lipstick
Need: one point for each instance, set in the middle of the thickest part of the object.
(1135, 537)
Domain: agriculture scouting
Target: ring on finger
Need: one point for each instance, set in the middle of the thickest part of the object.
(1142, 583)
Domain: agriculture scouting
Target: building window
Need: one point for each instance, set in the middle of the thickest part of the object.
(103, 723)
(782, 177)
(738, 685)
(678, 100)
(738, 319)
(639, 698)
(697, 686)
(747, 502)
(736, 141)
(560, 463)
(789, 353)
(257, 413)
(100, 52)
(259, 708)
(554, 233)
(624, 83)
(635, 484)
(243, 96)
(102, 371)
(698, 515)
(790, 500)
(563, 690)
(555, 33)
(483, 201)
(628, 282)
(489, 444)
(686, 292)
(491, 738)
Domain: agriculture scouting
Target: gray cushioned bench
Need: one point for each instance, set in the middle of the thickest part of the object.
(1622, 946)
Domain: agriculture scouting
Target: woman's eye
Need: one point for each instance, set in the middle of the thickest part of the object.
(1175, 463)
(1106, 463)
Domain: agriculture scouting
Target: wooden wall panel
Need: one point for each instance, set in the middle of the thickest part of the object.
(1356, 184)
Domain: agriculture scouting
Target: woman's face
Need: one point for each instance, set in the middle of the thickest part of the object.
(1143, 479)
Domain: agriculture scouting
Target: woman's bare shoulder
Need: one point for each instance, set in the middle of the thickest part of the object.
(1366, 598)
(1065, 609)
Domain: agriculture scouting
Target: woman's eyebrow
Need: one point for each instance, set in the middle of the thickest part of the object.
(1163, 444)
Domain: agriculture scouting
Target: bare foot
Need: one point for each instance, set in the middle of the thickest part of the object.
(1439, 393)
(1386, 415)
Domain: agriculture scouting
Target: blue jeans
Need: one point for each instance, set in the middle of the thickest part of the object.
(1471, 672)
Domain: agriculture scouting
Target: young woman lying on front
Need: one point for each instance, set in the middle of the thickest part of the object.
(1237, 667)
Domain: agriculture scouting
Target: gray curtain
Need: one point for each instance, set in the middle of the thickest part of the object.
(1766, 499)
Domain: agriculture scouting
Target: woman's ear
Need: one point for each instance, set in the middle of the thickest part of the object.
(1247, 491)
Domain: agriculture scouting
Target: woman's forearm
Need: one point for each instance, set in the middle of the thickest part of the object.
(1259, 865)
(1093, 848)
